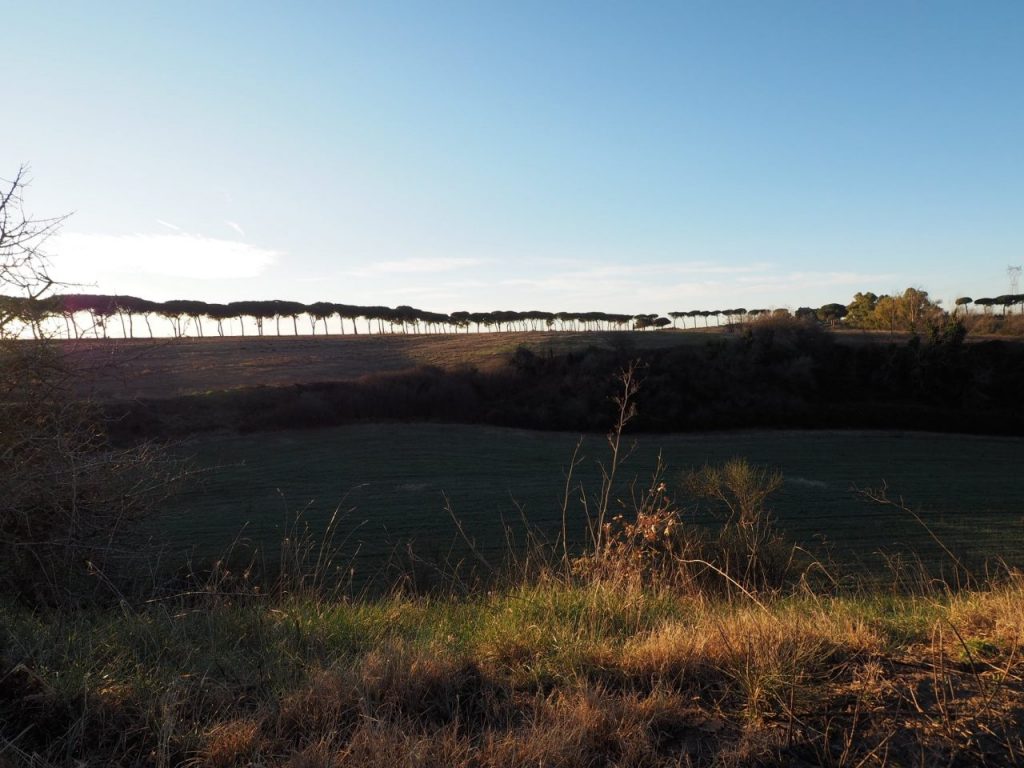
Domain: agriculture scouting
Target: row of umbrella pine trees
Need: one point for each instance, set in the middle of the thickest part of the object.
(81, 314)
(1006, 301)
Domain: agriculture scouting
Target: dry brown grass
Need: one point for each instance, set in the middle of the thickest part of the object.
(996, 615)
(548, 675)
(126, 369)
(995, 325)
(231, 743)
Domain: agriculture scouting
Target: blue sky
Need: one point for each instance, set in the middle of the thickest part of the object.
(625, 157)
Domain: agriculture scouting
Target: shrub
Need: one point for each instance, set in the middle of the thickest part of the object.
(655, 546)
(652, 546)
(65, 495)
(749, 549)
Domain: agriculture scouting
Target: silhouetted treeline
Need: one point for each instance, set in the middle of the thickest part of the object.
(776, 374)
(93, 314)
(79, 315)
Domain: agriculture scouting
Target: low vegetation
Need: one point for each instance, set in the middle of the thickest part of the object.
(663, 647)
(68, 498)
(540, 674)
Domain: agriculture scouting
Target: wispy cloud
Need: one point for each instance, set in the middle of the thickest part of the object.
(682, 284)
(441, 264)
(660, 270)
(168, 255)
(446, 290)
(167, 224)
(776, 282)
(687, 277)
(235, 226)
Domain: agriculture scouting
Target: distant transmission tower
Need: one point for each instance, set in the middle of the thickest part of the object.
(1014, 274)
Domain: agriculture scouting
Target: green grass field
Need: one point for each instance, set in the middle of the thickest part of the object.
(391, 481)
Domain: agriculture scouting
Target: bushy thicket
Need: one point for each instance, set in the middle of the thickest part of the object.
(655, 544)
(67, 497)
(982, 324)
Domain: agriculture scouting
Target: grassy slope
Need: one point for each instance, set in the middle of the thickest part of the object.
(123, 369)
(550, 674)
(162, 368)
